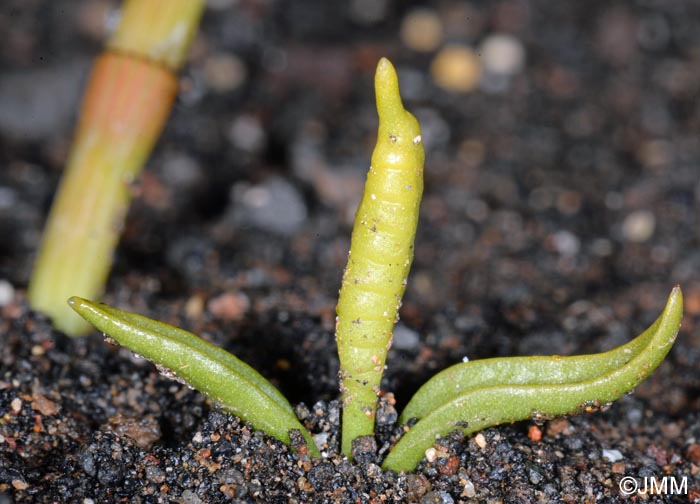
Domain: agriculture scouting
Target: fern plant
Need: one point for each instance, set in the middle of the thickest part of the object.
(467, 396)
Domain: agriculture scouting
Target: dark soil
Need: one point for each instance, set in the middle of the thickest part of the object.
(561, 206)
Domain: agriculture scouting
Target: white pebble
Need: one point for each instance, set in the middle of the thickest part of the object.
(321, 440)
(405, 338)
(246, 133)
(469, 490)
(275, 205)
(566, 243)
(638, 226)
(502, 54)
(7, 292)
(613, 455)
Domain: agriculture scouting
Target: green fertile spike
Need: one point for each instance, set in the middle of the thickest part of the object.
(515, 389)
(380, 257)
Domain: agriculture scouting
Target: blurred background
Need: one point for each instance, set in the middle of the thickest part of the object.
(562, 174)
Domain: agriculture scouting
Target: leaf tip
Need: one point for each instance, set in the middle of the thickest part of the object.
(82, 307)
(675, 299)
(78, 303)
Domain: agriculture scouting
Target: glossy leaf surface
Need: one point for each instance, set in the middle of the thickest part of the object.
(475, 395)
(216, 373)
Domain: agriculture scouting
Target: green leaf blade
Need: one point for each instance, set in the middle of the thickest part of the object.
(221, 376)
(496, 401)
(542, 370)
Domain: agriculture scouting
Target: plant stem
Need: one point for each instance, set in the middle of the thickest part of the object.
(158, 30)
(126, 104)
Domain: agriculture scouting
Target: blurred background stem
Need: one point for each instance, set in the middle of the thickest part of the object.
(127, 101)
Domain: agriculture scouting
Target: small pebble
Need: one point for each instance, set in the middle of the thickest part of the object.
(247, 133)
(20, 485)
(693, 453)
(558, 426)
(656, 154)
(229, 306)
(155, 474)
(189, 497)
(181, 170)
(613, 455)
(502, 54)
(634, 416)
(321, 440)
(16, 405)
(368, 12)
(437, 497)
(480, 441)
(618, 468)
(364, 449)
(145, 431)
(417, 486)
(8, 198)
(7, 292)
(275, 206)
(422, 30)
(569, 202)
(535, 476)
(565, 243)
(431, 454)
(601, 247)
(469, 490)
(456, 68)
(194, 307)
(405, 338)
(573, 444)
(638, 226)
(534, 433)
(224, 72)
(44, 405)
(386, 412)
